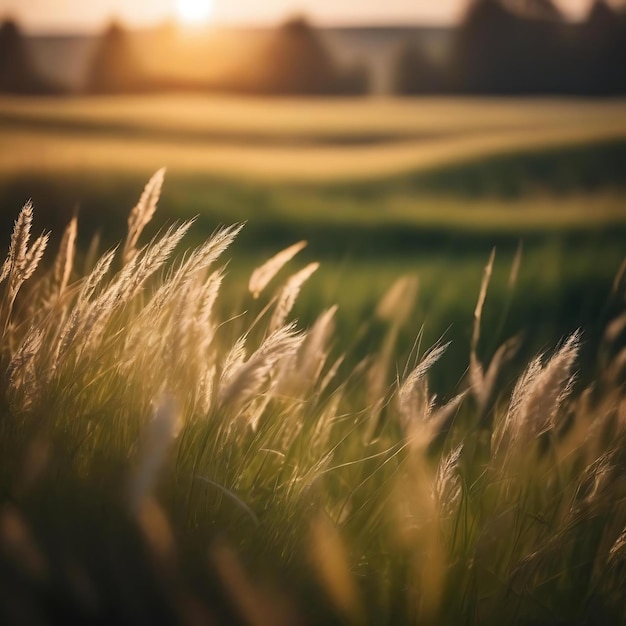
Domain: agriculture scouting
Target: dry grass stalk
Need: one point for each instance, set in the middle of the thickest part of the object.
(489, 378)
(20, 263)
(134, 275)
(289, 294)
(314, 352)
(395, 307)
(537, 398)
(332, 372)
(616, 367)
(206, 389)
(248, 379)
(413, 383)
(199, 261)
(18, 248)
(92, 253)
(516, 265)
(617, 552)
(96, 276)
(301, 375)
(21, 372)
(34, 256)
(618, 282)
(190, 328)
(476, 369)
(143, 212)
(419, 417)
(505, 432)
(397, 304)
(442, 414)
(70, 329)
(320, 437)
(596, 479)
(204, 256)
(182, 314)
(447, 486)
(263, 274)
(65, 259)
(483, 383)
(126, 285)
(234, 360)
(207, 297)
(615, 328)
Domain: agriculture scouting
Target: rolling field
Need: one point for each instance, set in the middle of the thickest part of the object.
(379, 188)
(288, 140)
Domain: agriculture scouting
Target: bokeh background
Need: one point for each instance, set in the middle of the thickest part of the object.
(397, 138)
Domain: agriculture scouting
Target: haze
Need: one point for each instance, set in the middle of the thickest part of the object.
(78, 15)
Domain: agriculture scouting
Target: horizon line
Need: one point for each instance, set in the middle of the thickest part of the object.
(38, 30)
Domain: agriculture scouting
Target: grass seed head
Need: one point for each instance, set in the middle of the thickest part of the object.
(263, 274)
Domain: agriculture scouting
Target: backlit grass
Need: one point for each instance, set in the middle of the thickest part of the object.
(172, 452)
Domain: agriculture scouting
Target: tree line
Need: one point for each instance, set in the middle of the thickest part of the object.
(503, 47)
(512, 47)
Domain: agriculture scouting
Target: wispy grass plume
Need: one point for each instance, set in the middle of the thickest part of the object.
(170, 458)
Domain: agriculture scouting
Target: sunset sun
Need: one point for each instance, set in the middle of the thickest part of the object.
(194, 11)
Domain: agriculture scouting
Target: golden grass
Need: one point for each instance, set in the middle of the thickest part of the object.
(408, 135)
(317, 117)
(398, 505)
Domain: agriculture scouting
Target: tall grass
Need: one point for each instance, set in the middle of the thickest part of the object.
(162, 463)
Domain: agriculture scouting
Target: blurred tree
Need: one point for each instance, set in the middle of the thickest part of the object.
(536, 9)
(601, 51)
(295, 61)
(483, 52)
(415, 73)
(114, 68)
(353, 81)
(498, 50)
(17, 71)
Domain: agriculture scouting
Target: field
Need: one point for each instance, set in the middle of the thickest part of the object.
(323, 484)
(379, 188)
(289, 140)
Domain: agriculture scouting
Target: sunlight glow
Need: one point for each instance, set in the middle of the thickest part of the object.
(194, 11)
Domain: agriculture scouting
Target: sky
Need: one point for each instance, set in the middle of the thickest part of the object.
(89, 15)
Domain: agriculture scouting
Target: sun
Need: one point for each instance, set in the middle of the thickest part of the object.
(194, 11)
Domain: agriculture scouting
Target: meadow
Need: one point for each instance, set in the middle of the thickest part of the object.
(177, 451)
(378, 187)
(289, 139)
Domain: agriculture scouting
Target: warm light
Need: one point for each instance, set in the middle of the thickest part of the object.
(194, 11)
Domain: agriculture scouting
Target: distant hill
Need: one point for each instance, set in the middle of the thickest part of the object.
(66, 59)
